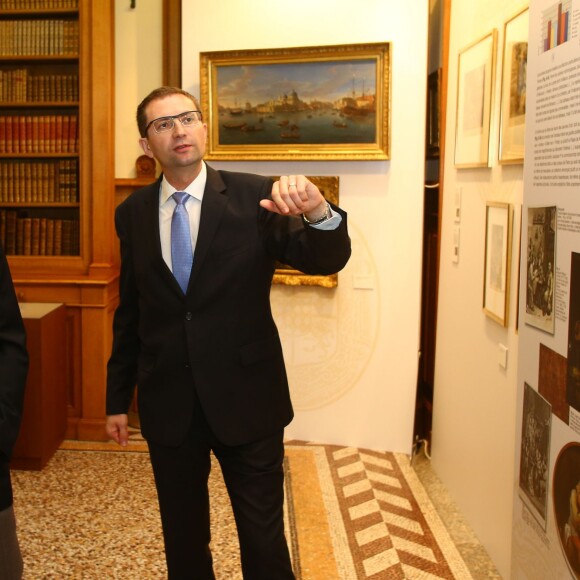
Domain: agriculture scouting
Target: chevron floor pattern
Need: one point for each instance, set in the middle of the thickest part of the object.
(351, 514)
(383, 524)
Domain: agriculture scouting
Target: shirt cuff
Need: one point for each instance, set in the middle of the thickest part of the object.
(331, 223)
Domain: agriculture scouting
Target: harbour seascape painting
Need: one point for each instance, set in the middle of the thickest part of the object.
(289, 103)
(322, 102)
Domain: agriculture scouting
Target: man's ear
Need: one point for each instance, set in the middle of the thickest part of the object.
(145, 146)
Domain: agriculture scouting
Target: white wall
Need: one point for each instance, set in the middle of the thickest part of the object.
(138, 70)
(474, 404)
(351, 353)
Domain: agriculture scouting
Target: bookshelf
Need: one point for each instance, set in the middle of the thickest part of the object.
(57, 190)
(39, 113)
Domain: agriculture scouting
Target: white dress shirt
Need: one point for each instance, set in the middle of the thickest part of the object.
(167, 206)
(193, 205)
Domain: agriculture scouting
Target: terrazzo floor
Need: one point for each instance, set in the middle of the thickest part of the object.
(92, 514)
(473, 553)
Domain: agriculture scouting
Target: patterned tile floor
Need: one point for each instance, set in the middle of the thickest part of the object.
(374, 515)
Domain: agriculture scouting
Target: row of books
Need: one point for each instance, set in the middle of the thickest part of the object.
(19, 86)
(39, 181)
(26, 236)
(48, 37)
(38, 4)
(39, 134)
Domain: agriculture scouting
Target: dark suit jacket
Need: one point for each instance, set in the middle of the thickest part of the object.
(13, 371)
(220, 338)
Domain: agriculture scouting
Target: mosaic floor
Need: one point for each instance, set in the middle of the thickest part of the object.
(91, 514)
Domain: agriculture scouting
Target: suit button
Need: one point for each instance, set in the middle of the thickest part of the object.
(188, 316)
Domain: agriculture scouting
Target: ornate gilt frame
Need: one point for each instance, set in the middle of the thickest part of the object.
(358, 106)
(328, 186)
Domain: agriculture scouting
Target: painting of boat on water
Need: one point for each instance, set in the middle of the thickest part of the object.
(317, 103)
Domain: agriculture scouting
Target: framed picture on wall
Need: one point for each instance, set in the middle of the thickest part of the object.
(513, 89)
(323, 102)
(328, 186)
(498, 245)
(475, 80)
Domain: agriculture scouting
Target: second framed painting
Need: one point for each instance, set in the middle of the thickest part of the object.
(316, 103)
(476, 73)
(513, 89)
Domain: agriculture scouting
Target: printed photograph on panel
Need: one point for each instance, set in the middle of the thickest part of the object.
(552, 381)
(541, 268)
(566, 501)
(573, 384)
(535, 453)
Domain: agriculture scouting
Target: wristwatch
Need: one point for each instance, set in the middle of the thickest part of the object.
(325, 217)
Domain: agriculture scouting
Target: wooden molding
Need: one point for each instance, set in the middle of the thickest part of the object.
(172, 43)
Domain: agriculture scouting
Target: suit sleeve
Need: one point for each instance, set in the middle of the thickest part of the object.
(122, 365)
(13, 362)
(306, 248)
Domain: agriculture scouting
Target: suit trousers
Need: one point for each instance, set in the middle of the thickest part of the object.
(10, 557)
(254, 478)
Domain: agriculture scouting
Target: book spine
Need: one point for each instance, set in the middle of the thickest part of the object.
(58, 237)
(35, 237)
(42, 237)
(50, 237)
(3, 228)
(10, 232)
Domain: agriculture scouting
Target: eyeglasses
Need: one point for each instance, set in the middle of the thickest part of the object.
(187, 119)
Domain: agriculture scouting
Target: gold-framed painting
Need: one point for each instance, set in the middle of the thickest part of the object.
(313, 103)
(328, 186)
(475, 81)
(496, 280)
(513, 89)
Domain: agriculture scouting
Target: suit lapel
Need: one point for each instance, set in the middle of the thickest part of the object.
(151, 223)
(212, 207)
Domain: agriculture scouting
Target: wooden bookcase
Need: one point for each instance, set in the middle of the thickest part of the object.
(57, 180)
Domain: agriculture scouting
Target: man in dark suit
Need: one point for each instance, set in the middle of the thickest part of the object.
(196, 333)
(13, 371)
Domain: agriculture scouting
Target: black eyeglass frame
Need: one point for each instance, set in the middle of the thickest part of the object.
(172, 118)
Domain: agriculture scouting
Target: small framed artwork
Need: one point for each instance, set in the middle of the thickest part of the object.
(328, 186)
(513, 89)
(318, 103)
(498, 243)
(475, 80)
(540, 268)
(433, 122)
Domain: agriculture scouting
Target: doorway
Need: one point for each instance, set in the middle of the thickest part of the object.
(439, 22)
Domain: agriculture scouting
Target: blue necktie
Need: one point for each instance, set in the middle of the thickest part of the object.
(181, 252)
